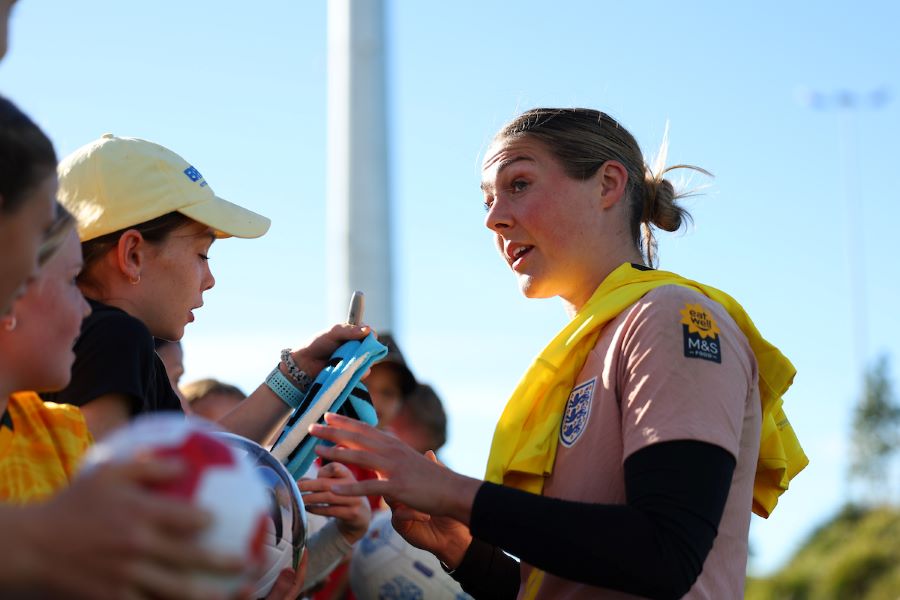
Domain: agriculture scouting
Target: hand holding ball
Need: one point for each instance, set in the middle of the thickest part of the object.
(215, 478)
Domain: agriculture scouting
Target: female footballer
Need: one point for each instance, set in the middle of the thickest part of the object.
(628, 459)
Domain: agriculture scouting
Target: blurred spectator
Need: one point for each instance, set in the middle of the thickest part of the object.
(389, 381)
(210, 398)
(172, 356)
(421, 421)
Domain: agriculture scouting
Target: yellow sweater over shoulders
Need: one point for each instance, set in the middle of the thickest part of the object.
(41, 447)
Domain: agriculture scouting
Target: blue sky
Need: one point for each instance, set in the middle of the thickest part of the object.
(238, 89)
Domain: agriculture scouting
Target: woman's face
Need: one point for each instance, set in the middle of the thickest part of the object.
(48, 321)
(21, 235)
(547, 226)
(174, 278)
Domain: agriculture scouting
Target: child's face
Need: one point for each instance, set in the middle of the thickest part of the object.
(413, 432)
(383, 383)
(174, 278)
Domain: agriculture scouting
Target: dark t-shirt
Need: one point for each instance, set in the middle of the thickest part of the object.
(115, 355)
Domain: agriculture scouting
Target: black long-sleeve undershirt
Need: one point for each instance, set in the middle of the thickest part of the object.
(654, 545)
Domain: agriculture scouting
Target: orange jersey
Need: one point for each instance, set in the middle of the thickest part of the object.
(41, 450)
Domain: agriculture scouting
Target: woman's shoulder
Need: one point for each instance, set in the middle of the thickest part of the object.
(53, 415)
(686, 304)
(688, 317)
(675, 295)
(668, 313)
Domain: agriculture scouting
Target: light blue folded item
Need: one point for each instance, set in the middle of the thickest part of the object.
(336, 389)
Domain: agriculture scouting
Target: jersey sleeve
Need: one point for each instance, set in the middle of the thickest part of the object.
(685, 372)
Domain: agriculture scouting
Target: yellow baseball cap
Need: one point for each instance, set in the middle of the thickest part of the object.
(114, 183)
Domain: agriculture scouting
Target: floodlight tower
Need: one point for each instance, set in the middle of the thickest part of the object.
(358, 212)
(848, 104)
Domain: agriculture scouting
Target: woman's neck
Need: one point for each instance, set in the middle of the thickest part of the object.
(574, 302)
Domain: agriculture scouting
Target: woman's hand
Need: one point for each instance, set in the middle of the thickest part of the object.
(446, 538)
(313, 357)
(108, 536)
(404, 476)
(353, 514)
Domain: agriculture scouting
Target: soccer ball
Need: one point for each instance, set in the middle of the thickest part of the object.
(217, 478)
(286, 526)
(386, 567)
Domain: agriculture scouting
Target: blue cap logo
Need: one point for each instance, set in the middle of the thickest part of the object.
(194, 175)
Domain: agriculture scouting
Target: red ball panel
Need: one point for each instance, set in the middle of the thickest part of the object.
(198, 451)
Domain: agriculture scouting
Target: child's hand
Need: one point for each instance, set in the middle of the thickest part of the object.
(352, 513)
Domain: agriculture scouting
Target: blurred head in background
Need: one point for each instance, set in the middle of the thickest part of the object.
(210, 398)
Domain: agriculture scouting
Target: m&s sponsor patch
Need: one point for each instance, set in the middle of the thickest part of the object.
(702, 337)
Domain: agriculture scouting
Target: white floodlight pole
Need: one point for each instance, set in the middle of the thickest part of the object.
(358, 211)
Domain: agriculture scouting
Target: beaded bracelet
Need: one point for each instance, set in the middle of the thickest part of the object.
(299, 377)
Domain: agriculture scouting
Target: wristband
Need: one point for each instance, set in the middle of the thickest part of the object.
(284, 389)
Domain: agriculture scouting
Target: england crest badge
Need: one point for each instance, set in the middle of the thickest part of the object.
(578, 409)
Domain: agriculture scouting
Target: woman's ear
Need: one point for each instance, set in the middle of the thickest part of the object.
(130, 257)
(612, 178)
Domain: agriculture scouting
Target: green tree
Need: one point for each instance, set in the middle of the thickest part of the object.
(854, 555)
(876, 432)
